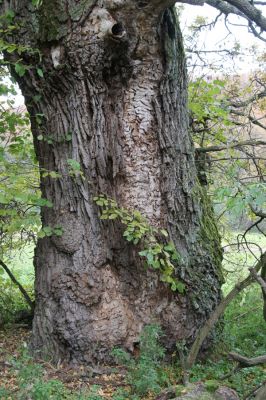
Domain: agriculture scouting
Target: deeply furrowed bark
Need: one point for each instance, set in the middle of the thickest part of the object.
(115, 83)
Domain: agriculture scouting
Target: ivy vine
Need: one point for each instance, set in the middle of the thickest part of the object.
(158, 255)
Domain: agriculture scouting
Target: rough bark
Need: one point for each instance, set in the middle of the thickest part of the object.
(115, 81)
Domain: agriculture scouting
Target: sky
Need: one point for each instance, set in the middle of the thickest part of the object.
(222, 37)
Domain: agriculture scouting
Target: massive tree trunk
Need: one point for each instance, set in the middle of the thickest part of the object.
(113, 98)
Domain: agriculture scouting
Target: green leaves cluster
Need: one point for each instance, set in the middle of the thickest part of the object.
(144, 373)
(50, 231)
(159, 256)
(237, 199)
(207, 102)
(235, 172)
(20, 196)
(74, 169)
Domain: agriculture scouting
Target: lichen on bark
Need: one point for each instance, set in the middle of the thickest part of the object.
(54, 14)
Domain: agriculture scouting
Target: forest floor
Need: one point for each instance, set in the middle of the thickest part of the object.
(21, 378)
(75, 379)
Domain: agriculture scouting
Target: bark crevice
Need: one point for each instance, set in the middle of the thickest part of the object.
(123, 103)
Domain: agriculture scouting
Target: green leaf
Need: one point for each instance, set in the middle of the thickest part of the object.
(144, 253)
(44, 202)
(54, 174)
(180, 287)
(40, 72)
(150, 258)
(164, 232)
(20, 69)
(113, 216)
(68, 137)
(170, 247)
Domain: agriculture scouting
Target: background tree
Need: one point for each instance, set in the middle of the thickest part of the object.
(107, 98)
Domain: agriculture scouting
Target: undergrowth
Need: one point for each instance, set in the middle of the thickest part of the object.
(145, 372)
(32, 384)
(244, 333)
(149, 373)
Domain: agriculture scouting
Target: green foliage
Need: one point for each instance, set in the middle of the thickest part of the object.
(238, 198)
(245, 333)
(234, 172)
(48, 231)
(9, 27)
(144, 373)
(37, 3)
(159, 256)
(20, 197)
(207, 102)
(11, 300)
(93, 394)
(245, 328)
(74, 168)
(211, 385)
(33, 384)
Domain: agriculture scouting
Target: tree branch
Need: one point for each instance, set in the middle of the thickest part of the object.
(244, 9)
(259, 279)
(224, 7)
(211, 149)
(252, 13)
(245, 362)
(219, 310)
(258, 213)
(21, 288)
(249, 117)
(256, 96)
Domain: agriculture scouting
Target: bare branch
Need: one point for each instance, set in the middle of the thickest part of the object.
(249, 117)
(211, 149)
(218, 312)
(21, 288)
(193, 2)
(259, 213)
(252, 13)
(256, 96)
(244, 9)
(245, 362)
(224, 7)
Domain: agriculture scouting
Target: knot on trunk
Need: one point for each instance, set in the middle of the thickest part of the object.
(118, 31)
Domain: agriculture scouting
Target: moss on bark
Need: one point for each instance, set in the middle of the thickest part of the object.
(209, 234)
(54, 13)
